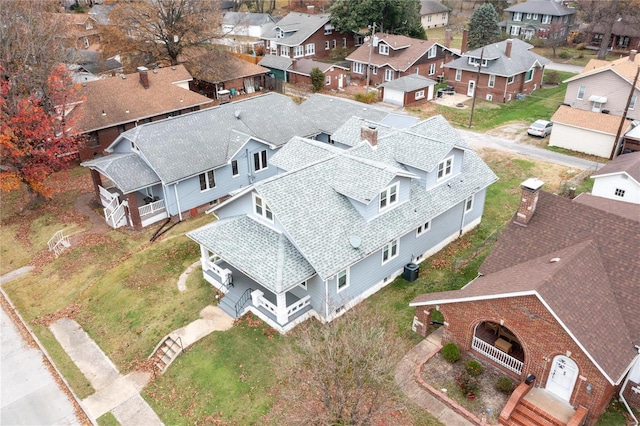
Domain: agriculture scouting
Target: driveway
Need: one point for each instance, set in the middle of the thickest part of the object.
(576, 69)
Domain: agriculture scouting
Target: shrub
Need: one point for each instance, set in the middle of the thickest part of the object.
(581, 46)
(366, 98)
(451, 352)
(504, 385)
(468, 385)
(564, 55)
(552, 77)
(474, 368)
(317, 79)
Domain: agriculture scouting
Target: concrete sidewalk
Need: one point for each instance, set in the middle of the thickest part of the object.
(405, 378)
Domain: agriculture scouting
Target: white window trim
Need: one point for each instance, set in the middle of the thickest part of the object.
(264, 207)
(419, 94)
(515, 30)
(546, 19)
(328, 81)
(517, 16)
(358, 68)
(492, 80)
(432, 69)
(510, 79)
(298, 51)
(374, 70)
(388, 248)
(263, 166)
(423, 229)
(326, 45)
(432, 52)
(634, 100)
(578, 95)
(535, 17)
(346, 283)
(458, 75)
(468, 204)
(237, 169)
(387, 193)
(383, 49)
(445, 174)
(206, 178)
(310, 49)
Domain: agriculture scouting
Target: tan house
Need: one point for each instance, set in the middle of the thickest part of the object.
(433, 14)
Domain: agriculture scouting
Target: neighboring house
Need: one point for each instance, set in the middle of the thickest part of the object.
(173, 167)
(113, 105)
(82, 31)
(337, 225)
(245, 24)
(624, 37)
(216, 69)
(588, 132)
(631, 139)
(100, 13)
(603, 88)
(508, 69)
(300, 35)
(278, 66)
(88, 65)
(335, 76)
(556, 301)
(433, 14)
(539, 18)
(407, 90)
(619, 179)
(394, 56)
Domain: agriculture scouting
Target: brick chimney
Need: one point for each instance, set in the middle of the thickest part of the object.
(447, 37)
(632, 55)
(144, 77)
(507, 50)
(528, 201)
(465, 36)
(369, 133)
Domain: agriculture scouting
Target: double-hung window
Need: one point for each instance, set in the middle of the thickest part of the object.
(333, 44)
(432, 69)
(207, 180)
(581, 90)
(445, 168)
(389, 251)
(388, 75)
(310, 49)
(389, 196)
(546, 19)
(458, 74)
(517, 16)
(432, 51)
(261, 208)
(357, 67)
(284, 51)
(343, 279)
(515, 30)
(634, 99)
(420, 94)
(492, 80)
(468, 204)
(260, 160)
(529, 76)
(510, 79)
(234, 168)
(298, 51)
(423, 228)
(326, 45)
(383, 49)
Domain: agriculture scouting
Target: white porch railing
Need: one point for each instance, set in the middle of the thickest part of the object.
(106, 197)
(58, 243)
(300, 304)
(114, 214)
(151, 208)
(268, 305)
(497, 355)
(224, 276)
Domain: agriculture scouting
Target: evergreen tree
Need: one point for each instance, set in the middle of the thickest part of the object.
(317, 79)
(483, 27)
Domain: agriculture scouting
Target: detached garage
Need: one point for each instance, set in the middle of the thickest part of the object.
(407, 90)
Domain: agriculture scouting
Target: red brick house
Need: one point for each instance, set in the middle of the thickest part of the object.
(394, 56)
(113, 105)
(302, 35)
(556, 301)
(508, 69)
(335, 76)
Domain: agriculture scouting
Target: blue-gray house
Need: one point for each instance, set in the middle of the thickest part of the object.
(340, 220)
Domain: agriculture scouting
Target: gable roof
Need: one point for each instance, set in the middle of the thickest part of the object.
(329, 112)
(626, 163)
(520, 61)
(304, 66)
(246, 18)
(127, 170)
(409, 83)
(543, 7)
(189, 144)
(297, 27)
(596, 121)
(217, 65)
(623, 67)
(117, 100)
(617, 207)
(429, 7)
(276, 62)
(406, 51)
(100, 13)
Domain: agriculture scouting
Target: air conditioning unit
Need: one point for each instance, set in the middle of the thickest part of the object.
(605, 111)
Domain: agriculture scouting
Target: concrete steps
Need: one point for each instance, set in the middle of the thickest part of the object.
(165, 353)
(527, 414)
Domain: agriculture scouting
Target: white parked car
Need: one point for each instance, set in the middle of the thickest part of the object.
(540, 128)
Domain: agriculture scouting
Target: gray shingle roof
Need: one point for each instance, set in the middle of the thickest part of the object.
(128, 171)
(521, 59)
(270, 258)
(189, 144)
(428, 7)
(543, 7)
(297, 27)
(301, 152)
(246, 18)
(329, 112)
(350, 132)
(409, 83)
(276, 62)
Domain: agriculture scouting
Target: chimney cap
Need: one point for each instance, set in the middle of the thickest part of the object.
(143, 69)
(532, 183)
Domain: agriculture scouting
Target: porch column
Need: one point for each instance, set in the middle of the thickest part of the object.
(97, 182)
(281, 304)
(134, 212)
(204, 255)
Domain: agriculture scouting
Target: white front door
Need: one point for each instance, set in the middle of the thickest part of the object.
(471, 87)
(340, 82)
(562, 377)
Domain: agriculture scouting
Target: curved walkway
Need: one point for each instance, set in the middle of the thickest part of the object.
(406, 373)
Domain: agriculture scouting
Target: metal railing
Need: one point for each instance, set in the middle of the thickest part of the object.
(58, 243)
(496, 355)
(242, 301)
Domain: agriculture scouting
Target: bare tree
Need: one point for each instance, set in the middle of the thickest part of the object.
(605, 14)
(341, 372)
(160, 30)
(556, 36)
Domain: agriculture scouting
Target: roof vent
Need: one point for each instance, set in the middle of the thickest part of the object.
(355, 241)
(554, 260)
(237, 114)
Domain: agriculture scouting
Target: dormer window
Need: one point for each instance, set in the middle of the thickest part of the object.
(261, 208)
(445, 168)
(389, 196)
(476, 61)
(280, 33)
(383, 49)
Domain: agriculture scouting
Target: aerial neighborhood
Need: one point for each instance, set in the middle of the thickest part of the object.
(280, 212)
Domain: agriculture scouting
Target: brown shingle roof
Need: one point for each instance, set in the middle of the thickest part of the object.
(629, 163)
(117, 100)
(597, 285)
(617, 207)
(407, 51)
(622, 66)
(586, 119)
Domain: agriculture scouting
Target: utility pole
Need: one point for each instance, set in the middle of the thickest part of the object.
(373, 35)
(624, 116)
(475, 88)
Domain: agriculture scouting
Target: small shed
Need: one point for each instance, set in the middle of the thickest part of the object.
(278, 65)
(407, 90)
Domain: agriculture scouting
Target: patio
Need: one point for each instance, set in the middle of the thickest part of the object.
(488, 340)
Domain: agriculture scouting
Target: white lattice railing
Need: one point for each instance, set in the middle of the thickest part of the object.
(58, 243)
(497, 355)
(151, 208)
(114, 216)
(300, 304)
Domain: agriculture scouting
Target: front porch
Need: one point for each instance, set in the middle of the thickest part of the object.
(116, 207)
(499, 345)
(242, 294)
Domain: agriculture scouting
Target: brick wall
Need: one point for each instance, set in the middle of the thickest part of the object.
(502, 91)
(541, 337)
(632, 394)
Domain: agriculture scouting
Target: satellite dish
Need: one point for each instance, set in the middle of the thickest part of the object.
(355, 241)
